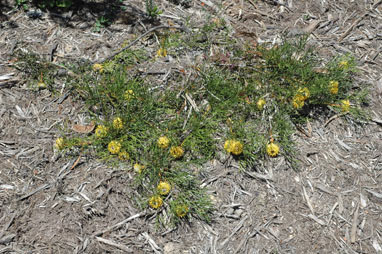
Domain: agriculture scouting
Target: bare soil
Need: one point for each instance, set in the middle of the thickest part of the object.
(55, 204)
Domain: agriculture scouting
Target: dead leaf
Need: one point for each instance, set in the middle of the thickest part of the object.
(84, 128)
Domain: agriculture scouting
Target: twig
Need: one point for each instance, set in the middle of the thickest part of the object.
(334, 117)
(76, 162)
(45, 186)
(153, 245)
(253, 4)
(234, 231)
(114, 244)
(314, 217)
(192, 102)
(260, 176)
(118, 225)
(140, 37)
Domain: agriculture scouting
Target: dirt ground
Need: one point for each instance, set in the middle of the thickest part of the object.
(332, 205)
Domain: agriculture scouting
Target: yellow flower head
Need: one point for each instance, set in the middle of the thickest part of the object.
(162, 52)
(124, 156)
(101, 131)
(41, 84)
(163, 142)
(138, 168)
(176, 151)
(163, 188)
(233, 146)
(129, 94)
(155, 202)
(304, 92)
(60, 144)
(273, 149)
(333, 87)
(98, 67)
(227, 145)
(181, 210)
(298, 101)
(114, 147)
(117, 123)
(236, 147)
(345, 105)
(344, 64)
(260, 104)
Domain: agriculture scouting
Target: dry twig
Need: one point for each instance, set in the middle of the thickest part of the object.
(118, 225)
(114, 244)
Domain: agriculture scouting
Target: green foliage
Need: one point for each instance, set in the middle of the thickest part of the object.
(242, 101)
(152, 10)
(100, 23)
(38, 70)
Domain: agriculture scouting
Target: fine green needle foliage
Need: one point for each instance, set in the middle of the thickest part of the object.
(242, 101)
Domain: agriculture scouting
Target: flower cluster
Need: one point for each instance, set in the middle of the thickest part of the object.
(176, 152)
(233, 146)
(181, 210)
(163, 142)
(345, 105)
(260, 104)
(273, 149)
(98, 67)
(333, 87)
(163, 188)
(118, 123)
(60, 144)
(162, 52)
(156, 202)
(114, 147)
(129, 94)
(124, 156)
(344, 64)
(299, 99)
(101, 131)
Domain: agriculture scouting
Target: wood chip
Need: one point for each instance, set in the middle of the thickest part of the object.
(354, 225)
(308, 200)
(375, 194)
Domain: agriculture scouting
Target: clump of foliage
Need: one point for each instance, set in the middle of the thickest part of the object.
(244, 102)
(152, 9)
